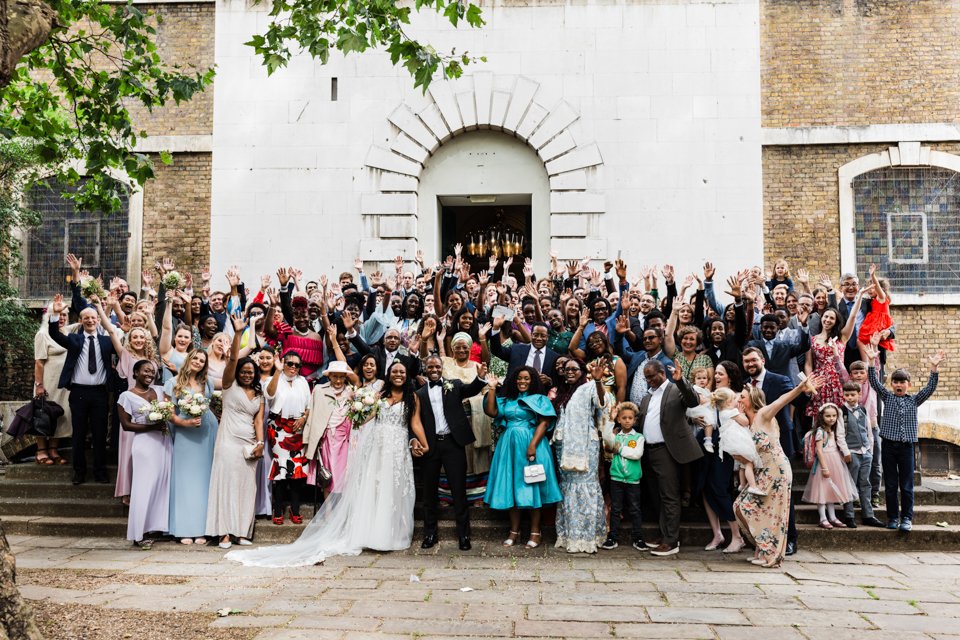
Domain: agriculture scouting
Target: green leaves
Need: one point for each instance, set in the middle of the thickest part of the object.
(355, 26)
(79, 115)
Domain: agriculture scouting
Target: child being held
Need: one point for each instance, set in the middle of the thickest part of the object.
(704, 413)
(781, 275)
(879, 318)
(625, 472)
(829, 482)
(736, 439)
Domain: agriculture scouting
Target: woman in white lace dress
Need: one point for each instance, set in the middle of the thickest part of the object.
(375, 508)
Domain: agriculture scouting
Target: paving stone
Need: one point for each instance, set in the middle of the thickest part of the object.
(316, 606)
(620, 598)
(468, 576)
(419, 610)
(486, 611)
(565, 629)
(191, 569)
(298, 634)
(885, 557)
(335, 622)
(758, 633)
(814, 589)
(489, 596)
(251, 621)
(755, 577)
(614, 587)
(802, 618)
(927, 557)
(146, 602)
(56, 594)
(658, 576)
(664, 631)
(849, 579)
(449, 627)
(717, 587)
(724, 601)
(696, 615)
(569, 575)
(922, 624)
(828, 633)
(920, 595)
(862, 606)
(938, 609)
(585, 613)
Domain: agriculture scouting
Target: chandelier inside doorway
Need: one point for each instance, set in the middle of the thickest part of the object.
(499, 239)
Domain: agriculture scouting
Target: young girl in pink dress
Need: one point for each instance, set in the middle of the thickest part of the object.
(829, 482)
(879, 318)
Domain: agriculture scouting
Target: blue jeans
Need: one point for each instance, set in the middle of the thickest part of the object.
(859, 467)
(875, 474)
(898, 461)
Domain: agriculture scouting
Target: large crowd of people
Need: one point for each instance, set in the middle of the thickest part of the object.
(604, 397)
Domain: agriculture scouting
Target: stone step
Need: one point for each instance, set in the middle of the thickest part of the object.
(811, 536)
(63, 491)
(73, 508)
(922, 514)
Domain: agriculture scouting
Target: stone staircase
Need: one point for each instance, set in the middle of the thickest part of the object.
(39, 500)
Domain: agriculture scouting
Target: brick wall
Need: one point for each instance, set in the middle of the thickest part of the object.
(176, 213)
(801, 223)
(859, 62)
(185, 37)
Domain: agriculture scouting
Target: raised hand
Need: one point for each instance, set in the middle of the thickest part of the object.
(825, 282)
(528, 267)
(418, 256)
(677, 371)
(803, 276)
(813, 383)
(483, 277)
(936, 359)
(506, 264)
(296, 274)
(492, 263)
(167, 264)
(572, 268)
(323, 281)
(484, 329)
(498, 322)
(349, 321)
(733, 286)
(188, 282)
(233, 275)
(596, 278)
(688, 281)
(398, 263)
(585, 318)
(621, 268)
(358, 264)
(273, 296)
(265, 282)
(236, 319)
(282, 276)
(147, 279)
(607, 266)
(115, 284)
(58, 305)
(493, 381)
(667, 272)
(205, 274)
(376, 279)
(873, 270)
(458, 249)
(74, 262)
(708, 270)
(623, 324)
(481, 370)
(332, 332)
(598, 369)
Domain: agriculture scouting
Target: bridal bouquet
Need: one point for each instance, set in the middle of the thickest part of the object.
(363, 406)
(90, 286)
(173, 281)
(158, 411)
(193, 404)
(216, 404)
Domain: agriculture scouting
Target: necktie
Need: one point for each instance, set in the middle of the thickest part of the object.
(754, 382)
(537, 360)
(91, 356)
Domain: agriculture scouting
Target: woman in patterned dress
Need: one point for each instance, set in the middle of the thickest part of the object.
(822, 356)
(289, 401)
(764, 518)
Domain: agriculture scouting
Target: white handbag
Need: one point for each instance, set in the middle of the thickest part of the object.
(534, 473)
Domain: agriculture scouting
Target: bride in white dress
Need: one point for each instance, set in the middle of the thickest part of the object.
(375, 508)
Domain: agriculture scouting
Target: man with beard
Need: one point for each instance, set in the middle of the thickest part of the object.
(779, 349)
(390, 351)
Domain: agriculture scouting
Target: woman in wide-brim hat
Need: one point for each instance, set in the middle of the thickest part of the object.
(328, 428)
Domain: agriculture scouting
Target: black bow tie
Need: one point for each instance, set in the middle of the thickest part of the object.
(435, 383)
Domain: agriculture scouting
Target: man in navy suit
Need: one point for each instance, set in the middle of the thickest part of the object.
(536, 354)
(85, 372)
(448, 431)
(773, 386)
(777, 351)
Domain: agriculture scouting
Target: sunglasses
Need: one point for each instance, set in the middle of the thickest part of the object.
(256, 314)
(295, 365)
(646, 338)
(572, 369)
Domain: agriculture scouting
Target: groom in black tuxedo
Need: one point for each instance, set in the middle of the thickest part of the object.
(440, 411)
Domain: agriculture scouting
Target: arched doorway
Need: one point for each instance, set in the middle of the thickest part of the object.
(480, 179)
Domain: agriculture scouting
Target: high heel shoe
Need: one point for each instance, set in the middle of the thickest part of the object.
(735, 549)
(530, 543)
(512, 540)
(714, 545)
(296, 519)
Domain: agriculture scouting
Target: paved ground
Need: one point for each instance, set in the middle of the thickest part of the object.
(97, 589)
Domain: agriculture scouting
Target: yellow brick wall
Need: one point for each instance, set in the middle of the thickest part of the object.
(859, 62)
(801, 223)
(176, 213)
(185, 37)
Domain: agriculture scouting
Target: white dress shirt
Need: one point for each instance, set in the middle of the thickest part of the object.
(81, 372)
(436, 402)
(652, 432)
(759, 378)
(533, 353)
(390, 357)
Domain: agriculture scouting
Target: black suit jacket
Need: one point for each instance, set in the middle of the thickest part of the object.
(73, 343)
(778, 359)
(516, 356)
(452, 410)
(774, 386)
(677, 435)
(411, 363)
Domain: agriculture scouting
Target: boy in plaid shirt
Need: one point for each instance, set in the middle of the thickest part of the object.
(898, 429)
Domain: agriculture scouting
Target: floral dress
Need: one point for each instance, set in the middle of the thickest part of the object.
(824, 365)
(764, 519)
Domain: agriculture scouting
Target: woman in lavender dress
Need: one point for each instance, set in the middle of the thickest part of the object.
(151, 451)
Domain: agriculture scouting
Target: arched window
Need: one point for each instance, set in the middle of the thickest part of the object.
(902, 210)
(101, 240)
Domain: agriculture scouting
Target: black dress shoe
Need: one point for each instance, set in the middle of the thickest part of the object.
(791, 549)
(101, 478)
(79, 477)
(465, 543)
(850, 522)
(429, 541)
(871, 522)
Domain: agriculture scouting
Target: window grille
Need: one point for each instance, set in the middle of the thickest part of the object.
(907, 222)
(99, 239)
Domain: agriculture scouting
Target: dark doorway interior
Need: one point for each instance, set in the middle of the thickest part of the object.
(459, 219)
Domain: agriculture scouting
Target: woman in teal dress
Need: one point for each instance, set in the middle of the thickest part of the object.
(524, 413)
(193, 442)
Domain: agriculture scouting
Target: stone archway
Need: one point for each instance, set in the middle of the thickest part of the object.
(389, 204)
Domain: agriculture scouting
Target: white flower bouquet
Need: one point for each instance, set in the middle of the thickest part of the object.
(173, 280)
(193, 404)
(363, 406)
(90, 286)
(158, 411)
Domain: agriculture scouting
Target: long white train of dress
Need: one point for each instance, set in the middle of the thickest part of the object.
(374, 510)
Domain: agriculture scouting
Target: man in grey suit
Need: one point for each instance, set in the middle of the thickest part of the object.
(669, 444)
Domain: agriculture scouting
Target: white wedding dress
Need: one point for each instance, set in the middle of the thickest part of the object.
(374, 510)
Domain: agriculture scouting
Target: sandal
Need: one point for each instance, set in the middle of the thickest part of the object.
(825, 524)
(200, 541)
(837, 524)
(735, 549)
(530, 543)
(145, 545)
(296, 519)
(512, 540)
(56, 457)
(46, 460)
(278, 519)
(714, 545)
(186, 540)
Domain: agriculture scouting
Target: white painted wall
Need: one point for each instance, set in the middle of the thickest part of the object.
(668, 89)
